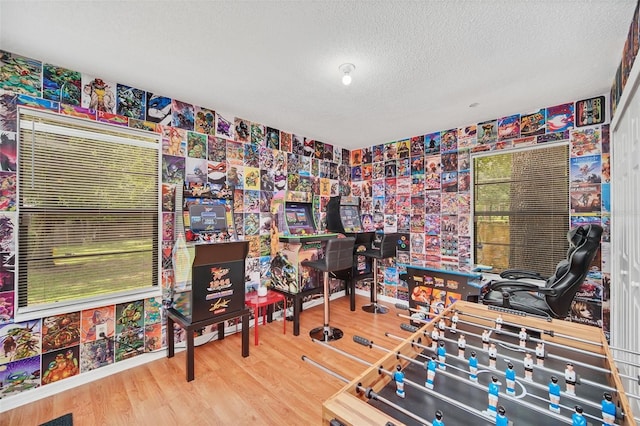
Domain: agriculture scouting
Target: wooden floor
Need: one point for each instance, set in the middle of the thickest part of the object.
(273, 386)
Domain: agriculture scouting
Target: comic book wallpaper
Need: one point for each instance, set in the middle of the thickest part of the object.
(418, 186)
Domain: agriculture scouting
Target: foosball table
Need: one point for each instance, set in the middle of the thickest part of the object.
(472, 364)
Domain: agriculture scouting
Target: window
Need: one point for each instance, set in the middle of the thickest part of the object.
(88, 209)
(521, 208)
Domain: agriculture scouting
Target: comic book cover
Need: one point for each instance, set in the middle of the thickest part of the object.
(60, 365)
(285, 141)
(591, 288)
(432, 143)
(417, 166)
(252, 154)
(606, 168)
(464, 181)
(417, 242)
(60, 331)
(464, 221)
(553, 137)
(586, 312)
(448, 203)
(503, 144)
(417, 146)
(509, 127)
(467, 136)
(418, 203)
(96, 354)
(216, 149)
(534, 123)
(206, 123)
(431, 224)
(20, 74)
(449, 243)
(403, 204)
(152, 337)
(235, 153)
(449, 161)
(488, 132)
(377, 171)
(390, 223)
(590, 111)
(8, 193)
(585, 141)
(432, 181)
(430, 204)
(308, 147)
(525, 141)
(560, 117)
(464, 202)
(586, 169)
(100, 95)
(450, 181)
(585, 197)
(137, 124)
(158, 109)
(390, 186)
(606, 197)
(449, 224)
(606, 227)
(224, 126)
(367, 172)
(605, 139)
(403, 185)
(183, 115)
(20, 340)
(404, 222)
(62, 85)
(272, 138)
(174, 141)
(390, 151)
(390, 204)
(258, 134)
(115, 119)
(318, 150)
(464, 160)
(464, 249)
(418, 184)
(99, 318)
(390, 169)
(403, 167)
(449, 140)
(403, 149)
(20, 375)
(131, 102)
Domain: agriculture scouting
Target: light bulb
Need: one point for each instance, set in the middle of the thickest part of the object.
(346, 73)
(346, 79)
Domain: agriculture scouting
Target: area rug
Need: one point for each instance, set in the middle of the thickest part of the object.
(66, 420)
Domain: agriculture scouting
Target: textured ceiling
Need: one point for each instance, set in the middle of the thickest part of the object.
(419, 64)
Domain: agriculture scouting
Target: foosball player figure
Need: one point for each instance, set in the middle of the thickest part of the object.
(442, 356)
(438, 420)
(510, 375)
(577, 418)
(540, 354)
(435, 336)
(608, 410)
(493, 355)
(570, 379)
(454, 322)
(485, 339)
(462, 344)
(398, 377)
(431, 371)
(499, 322)
(522, 335)
(501, 418)
(492, 392)
(554, 395)
(473, 367)
(527, 362)
(442, 326)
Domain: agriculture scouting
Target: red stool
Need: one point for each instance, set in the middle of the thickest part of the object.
(256, 302)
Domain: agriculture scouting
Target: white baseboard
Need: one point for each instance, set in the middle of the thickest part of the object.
(29, 396)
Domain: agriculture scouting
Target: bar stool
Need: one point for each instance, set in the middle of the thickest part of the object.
(338, 255)
(382, 249)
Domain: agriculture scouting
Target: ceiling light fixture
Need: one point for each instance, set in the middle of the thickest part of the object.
(346, 70)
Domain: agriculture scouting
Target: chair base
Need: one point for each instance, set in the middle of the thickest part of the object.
(375, 308)
(326, 333)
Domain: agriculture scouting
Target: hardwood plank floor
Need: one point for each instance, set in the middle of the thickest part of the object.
(273, 386)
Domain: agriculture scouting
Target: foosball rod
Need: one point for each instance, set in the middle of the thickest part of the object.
(365, 342)
(501, 373)
(624, 350)
(506, 333)
(533, 339)
(369, 393)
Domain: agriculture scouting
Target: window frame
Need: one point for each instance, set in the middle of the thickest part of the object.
(473, 156)
(37, 311)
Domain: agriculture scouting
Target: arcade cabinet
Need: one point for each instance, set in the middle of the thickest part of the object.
(343, 216)
(299, 240)
(209, 267)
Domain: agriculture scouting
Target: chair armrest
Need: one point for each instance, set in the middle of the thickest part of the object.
(513, 286)
(515, 274)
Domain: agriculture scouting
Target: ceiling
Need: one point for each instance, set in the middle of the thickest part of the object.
(419, 64)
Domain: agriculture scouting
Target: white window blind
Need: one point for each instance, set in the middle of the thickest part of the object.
(88, 209)
(521, 208)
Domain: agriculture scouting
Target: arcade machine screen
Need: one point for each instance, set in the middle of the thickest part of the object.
(299, 219)
(205, 218)
(350, 216)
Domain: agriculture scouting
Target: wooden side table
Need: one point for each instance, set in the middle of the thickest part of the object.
(189, 328)
(265, 303)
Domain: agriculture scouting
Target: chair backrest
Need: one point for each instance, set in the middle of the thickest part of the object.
(338, 254)
(569, 277)
(385, 244)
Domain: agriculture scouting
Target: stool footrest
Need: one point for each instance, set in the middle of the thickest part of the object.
(326, 333)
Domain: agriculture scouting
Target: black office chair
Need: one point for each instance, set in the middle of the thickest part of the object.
(381, 248)
(338, 255)
(553, 300)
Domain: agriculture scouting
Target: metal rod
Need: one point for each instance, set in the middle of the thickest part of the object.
(622, 361)
(325, 369)
(347, 354)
